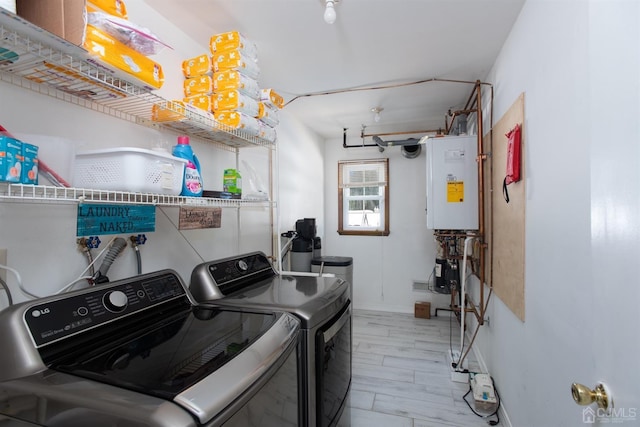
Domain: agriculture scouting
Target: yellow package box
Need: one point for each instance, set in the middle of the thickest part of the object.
(170, 111)
(234, 80)
(179, 111)
(202, 101)
(234, 100)
(233, 120)
(271, 97)
(197, 66)
(233, 40)
(109, 50)
(268, 114)
(267, 132)
(112, 7)
(234, 60)
(198, 85)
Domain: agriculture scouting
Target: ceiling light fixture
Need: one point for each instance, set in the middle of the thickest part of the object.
(330, 12)
(376, 113)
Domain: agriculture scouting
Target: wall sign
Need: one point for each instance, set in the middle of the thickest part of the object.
(99, 218)
(195, 218)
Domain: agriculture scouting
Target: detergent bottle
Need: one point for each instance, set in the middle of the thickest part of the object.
(192, 182)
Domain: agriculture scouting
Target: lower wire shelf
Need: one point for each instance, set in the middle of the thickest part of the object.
(50, 194)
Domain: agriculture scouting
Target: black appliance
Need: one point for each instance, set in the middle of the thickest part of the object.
(305, 245)
(138, 352)
(321, 304)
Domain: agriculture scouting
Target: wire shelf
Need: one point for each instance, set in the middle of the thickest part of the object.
(51, 194)
(52, 66)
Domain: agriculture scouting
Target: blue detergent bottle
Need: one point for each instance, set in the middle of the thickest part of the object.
(192, 182)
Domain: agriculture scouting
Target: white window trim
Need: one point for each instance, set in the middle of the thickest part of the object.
(382, 181)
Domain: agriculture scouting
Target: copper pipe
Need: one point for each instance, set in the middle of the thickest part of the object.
(481, 157)
(471, 98)
(466, 111)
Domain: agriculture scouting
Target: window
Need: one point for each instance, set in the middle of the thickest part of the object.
(363, 197)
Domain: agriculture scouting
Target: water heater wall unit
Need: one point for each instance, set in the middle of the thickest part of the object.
(452, 183)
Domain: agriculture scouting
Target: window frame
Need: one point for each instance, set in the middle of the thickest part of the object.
(384, 200)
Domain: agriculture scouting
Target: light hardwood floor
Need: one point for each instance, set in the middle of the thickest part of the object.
(401, 375)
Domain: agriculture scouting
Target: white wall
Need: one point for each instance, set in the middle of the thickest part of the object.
(41, 239)
(578, 65)
(384, 267)
(301, 174)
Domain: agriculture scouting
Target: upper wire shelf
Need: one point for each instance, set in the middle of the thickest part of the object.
(37, 60)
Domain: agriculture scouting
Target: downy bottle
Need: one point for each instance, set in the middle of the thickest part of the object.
(192, 182)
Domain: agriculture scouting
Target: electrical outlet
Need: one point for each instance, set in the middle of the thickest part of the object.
(3, 261)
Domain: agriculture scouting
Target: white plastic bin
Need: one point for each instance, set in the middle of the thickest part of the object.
(129, 169)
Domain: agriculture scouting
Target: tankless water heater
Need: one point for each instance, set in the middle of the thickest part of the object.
(452, 183)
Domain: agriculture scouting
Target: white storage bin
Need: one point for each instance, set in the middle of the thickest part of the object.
(129, 169)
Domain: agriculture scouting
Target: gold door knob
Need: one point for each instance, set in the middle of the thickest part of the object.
(583, 395)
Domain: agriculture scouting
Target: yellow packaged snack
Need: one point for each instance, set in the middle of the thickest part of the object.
(267, 132)
(267, 114)
(177, 111)
(198, 85)
(233, 120)
(197, 66)
(170, 111)
(234, 80)
(270, 96)
(234, 100)
(233, 40)
(113, 7)
(112, 52)
(234, 60)
(204, 102)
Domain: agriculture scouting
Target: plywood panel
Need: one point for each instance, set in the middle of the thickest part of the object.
(506, 230)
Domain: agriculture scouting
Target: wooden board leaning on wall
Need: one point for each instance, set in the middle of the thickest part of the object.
(505, 232)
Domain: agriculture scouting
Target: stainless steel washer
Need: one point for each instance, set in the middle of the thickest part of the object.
(321, 304)
(138, 352)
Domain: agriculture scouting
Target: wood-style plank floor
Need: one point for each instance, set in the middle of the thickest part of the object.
(401, 374)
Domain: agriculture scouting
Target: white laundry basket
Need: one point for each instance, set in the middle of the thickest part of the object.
(129, 169)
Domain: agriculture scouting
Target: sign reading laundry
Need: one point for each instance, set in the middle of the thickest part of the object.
(97, 219)
(194, 218)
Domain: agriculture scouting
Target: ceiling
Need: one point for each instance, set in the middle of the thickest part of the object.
(373, 43)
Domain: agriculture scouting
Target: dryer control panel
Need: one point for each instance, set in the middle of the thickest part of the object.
(51, 320)
(215, 279)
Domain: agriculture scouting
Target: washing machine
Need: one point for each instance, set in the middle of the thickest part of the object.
(322, 305)
(138, 352)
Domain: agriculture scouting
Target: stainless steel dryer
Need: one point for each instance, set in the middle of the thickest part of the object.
(321, 304)
(137, 352)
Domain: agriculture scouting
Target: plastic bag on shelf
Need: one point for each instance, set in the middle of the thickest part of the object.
(257, 190)
(138, 38)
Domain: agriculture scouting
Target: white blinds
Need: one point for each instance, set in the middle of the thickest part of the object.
(363, 174)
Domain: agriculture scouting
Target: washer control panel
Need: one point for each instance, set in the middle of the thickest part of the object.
(231, 270)
(56, 319)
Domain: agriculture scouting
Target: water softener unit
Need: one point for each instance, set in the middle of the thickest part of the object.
(302, 248)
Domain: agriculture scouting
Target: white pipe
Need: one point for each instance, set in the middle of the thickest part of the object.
(276, 206)
(462, 290)
(306, 274)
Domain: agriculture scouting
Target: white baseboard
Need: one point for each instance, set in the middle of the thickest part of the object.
(504, 416)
